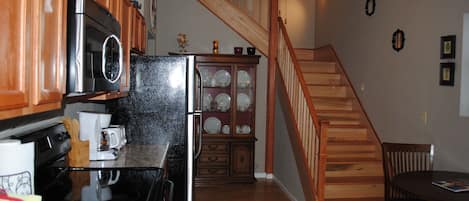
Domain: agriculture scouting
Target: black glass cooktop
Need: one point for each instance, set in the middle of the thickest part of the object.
(99, 185)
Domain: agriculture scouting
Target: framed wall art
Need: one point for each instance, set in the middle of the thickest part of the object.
(448, 47)
(447, 74)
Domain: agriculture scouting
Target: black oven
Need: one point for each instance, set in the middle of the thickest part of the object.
(94, 53)
(54, 181)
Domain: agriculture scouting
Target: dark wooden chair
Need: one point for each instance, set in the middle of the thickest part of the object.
(401, 158)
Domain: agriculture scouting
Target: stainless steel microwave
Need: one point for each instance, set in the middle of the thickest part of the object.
(94, 53)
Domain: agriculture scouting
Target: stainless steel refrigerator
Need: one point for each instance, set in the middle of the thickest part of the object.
(164, 106)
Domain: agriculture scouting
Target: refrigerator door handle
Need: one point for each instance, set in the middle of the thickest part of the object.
(198, 112)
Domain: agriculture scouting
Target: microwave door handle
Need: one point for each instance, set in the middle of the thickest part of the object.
(199, 112)
(121, 58)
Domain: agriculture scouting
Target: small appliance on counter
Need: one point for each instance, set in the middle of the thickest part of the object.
(105, 141)
(54, 181)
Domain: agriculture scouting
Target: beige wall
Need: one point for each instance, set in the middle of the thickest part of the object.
(299, 16)
(201, 28)
(285, 169)
(400, 87)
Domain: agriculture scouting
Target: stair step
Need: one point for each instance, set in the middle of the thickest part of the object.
(353, 159)
(304, 54)
(347, 134)
(333, 104)
(354, 169)
(350, 146)
(324, 114)
(357, 199)
(338, 91)
(355, 179)
(353, 155)
(341, 121)
(323, 78)
(353, 190)
(318, 67)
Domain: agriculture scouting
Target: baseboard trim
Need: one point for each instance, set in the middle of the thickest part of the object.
(263, 175)
(284, 189)
(260, 175)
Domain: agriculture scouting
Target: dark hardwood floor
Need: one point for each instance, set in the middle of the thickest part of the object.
(262, 190)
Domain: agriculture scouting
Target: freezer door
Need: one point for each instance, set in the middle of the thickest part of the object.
(192, 95)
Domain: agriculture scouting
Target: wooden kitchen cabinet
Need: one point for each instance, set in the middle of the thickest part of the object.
(139, 39)
(15, 62)
(126, 39)
(33, 49)
(228, 105)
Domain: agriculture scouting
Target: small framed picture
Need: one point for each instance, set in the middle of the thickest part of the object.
(448, 47)
(447, 74)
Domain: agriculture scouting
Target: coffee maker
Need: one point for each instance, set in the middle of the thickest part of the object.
(93, 129)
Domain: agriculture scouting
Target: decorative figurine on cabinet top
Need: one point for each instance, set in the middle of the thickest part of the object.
(182, 42)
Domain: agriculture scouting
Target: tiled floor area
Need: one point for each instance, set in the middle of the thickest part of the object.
(262, 190)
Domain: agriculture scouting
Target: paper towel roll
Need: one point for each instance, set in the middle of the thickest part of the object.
(17, 169)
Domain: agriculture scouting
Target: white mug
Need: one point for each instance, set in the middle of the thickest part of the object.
(108, 177)
(114, 136)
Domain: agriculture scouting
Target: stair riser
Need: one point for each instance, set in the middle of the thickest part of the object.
(369, 155)
(318, 67)
(347, 115)
(354, 170)
(322, 79)
(353, 190)
(335, 105)
(347, 134)
(344, 122)
(350, 148)
(328, 91)
(304, 54)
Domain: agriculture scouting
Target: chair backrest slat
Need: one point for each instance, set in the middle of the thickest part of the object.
(400, 158)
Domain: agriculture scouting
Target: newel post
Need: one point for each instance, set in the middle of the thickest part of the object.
(270, 124)
(322, 159)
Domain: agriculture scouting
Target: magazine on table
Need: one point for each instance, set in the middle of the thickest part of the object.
(453, 185)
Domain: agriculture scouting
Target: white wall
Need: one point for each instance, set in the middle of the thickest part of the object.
(201, 28)
(299, 16)
(400, 87)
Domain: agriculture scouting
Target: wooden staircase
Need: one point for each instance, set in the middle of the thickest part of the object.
(336, 147)
(354, 168)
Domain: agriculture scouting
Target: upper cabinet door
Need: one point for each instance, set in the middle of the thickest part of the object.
(13, 54)
(49, 55)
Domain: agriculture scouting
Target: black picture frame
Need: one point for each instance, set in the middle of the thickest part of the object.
(448, 47)
(447, 73)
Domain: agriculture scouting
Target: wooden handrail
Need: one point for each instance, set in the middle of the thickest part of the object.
(310, 134)
(296, 64)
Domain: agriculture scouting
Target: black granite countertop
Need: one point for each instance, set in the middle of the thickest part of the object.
(135, 156)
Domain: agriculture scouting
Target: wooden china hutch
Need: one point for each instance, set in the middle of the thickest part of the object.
(229, 93)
